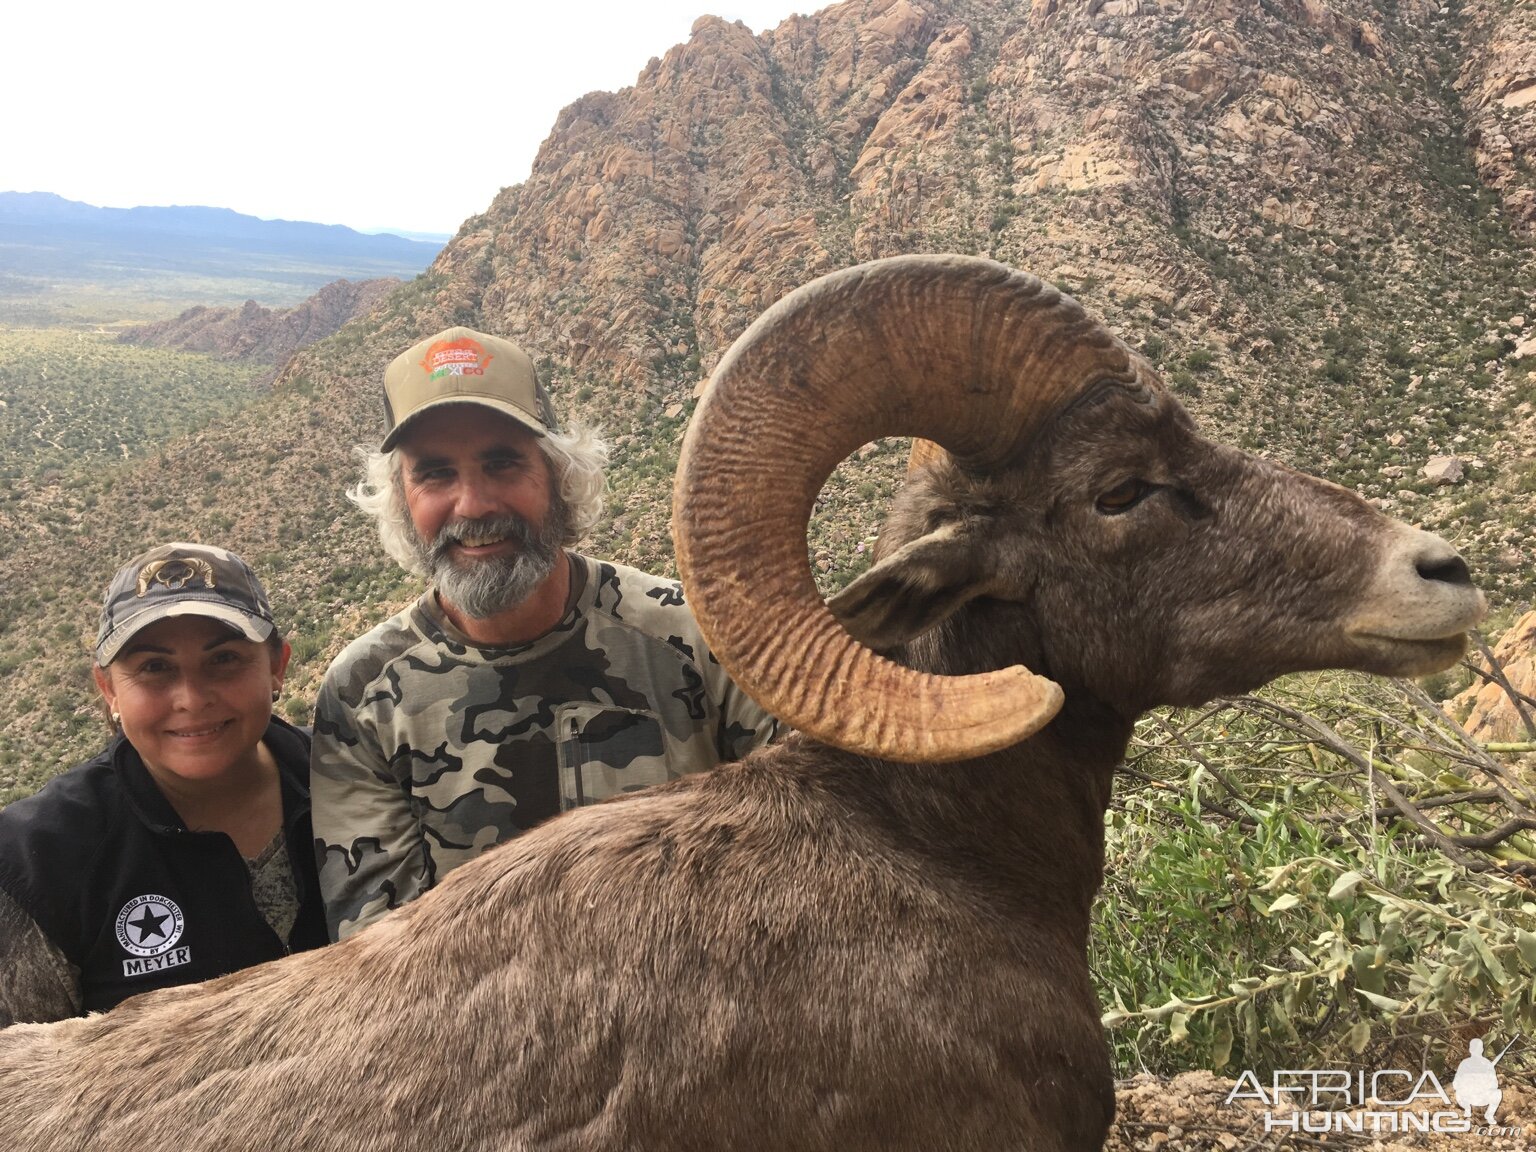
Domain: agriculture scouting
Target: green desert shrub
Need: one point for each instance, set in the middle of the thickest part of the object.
(1322, 874)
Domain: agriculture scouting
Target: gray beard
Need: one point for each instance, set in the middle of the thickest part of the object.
(484, 588)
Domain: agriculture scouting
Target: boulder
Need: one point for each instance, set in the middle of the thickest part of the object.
(1491, 714)
(1443, 470)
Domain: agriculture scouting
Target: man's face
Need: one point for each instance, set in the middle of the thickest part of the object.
(489, 525)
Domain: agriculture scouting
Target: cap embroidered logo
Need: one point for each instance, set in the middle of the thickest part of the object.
(175, 574)
(463, 357)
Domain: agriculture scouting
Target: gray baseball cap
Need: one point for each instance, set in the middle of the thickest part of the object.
(182, 580)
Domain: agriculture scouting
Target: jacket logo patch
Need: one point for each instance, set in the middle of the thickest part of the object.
(148, 927)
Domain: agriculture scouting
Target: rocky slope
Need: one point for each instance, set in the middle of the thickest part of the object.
(1274, 199)
(265, 335)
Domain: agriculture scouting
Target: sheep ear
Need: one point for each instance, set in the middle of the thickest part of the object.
(912, 590)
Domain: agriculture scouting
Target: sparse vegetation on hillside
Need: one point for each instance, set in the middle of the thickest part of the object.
(72, 401)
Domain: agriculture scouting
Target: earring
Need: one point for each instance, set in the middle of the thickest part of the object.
(117, 718)
(276, 695)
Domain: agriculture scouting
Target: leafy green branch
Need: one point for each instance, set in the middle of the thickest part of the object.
(1332, 871)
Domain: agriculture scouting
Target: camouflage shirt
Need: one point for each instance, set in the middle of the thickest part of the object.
(429, 750)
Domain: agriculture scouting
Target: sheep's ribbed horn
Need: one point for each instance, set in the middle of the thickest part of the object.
(924, 453)
(965, 352)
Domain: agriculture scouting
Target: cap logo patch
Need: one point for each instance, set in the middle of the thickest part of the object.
(174, 574)
(148, 928)
(464, 357)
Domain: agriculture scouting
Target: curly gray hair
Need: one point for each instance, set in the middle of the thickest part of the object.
(576, 457)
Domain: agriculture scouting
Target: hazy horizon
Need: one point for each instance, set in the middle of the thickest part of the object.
(382, 230)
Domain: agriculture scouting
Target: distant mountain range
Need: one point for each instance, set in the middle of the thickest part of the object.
(47, 241)
(438, 238)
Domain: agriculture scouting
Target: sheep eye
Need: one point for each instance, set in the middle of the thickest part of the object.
(1123, 496)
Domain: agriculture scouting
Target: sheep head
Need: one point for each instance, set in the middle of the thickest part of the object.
(1069, 486)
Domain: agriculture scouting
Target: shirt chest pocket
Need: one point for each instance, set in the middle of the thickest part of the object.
(606, 751)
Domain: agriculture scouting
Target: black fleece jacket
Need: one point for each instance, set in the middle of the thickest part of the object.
(104, 866)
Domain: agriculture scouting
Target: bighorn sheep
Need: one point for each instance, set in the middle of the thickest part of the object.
(842, 942)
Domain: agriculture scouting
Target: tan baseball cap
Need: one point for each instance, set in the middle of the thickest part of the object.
(462, 366)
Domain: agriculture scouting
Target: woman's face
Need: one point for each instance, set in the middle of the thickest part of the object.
(194, 697)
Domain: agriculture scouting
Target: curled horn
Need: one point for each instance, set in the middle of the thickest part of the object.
(961, 351)
(924, 453)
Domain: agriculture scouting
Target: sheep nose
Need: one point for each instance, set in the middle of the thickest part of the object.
(1422, 590)
(1450, 569)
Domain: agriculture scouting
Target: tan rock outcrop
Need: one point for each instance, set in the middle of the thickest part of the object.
(1491, 714)
(1443, 470)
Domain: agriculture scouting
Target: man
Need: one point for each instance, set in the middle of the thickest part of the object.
(528, 679)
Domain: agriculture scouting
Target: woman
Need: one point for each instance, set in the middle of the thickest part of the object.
(183, 851)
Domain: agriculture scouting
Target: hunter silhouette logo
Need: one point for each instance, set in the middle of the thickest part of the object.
(1476, 1084)
(464, 357)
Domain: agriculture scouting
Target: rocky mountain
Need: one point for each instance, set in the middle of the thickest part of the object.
(1498, 86)
(264, 335)
(1301, 210)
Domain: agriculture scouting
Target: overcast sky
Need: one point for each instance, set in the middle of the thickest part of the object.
(372, 115)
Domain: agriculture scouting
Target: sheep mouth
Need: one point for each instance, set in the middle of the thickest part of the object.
(1409, 655)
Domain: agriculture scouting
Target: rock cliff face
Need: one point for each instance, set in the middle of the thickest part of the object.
(266, 335)
(1275, 200)
(1091, 142)
(1075, 138)
(1498, 86)
(1273, 197)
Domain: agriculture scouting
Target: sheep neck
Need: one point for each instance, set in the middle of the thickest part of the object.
(1024, 827)
(1032, 811)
